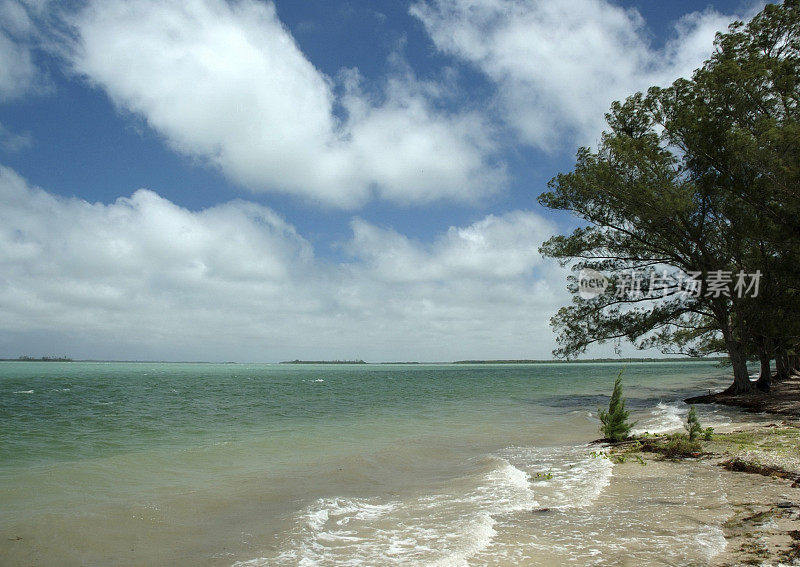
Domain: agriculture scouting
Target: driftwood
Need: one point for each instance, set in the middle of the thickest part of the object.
(630, 441)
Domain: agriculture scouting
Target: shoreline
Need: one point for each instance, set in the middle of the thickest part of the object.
(760, 473)
(782, 400)
(526, 473)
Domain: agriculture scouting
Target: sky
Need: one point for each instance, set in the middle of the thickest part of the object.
(260, 181)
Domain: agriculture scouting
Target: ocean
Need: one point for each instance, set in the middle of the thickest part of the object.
(267, 464)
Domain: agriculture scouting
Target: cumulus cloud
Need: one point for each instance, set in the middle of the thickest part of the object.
(145, 278)
(497, 247)
(18, 71)
(226, 82)
(559, 65)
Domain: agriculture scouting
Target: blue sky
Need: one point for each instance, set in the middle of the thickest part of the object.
(319, 179)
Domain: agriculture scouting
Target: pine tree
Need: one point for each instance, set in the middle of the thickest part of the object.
(693, 425)
(615, 425)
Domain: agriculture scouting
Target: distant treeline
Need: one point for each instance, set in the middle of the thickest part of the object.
(508, 361)
(518, 361)
(38, 359)
(323, 362)
(590, 360)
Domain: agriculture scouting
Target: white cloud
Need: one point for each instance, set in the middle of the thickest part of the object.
(144, 278)
(494, 248)
(12, 141)
(15, 19)
(559, 65)
(226, 82)
(18, 72)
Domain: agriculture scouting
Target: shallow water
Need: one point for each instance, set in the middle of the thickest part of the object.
(335, 465)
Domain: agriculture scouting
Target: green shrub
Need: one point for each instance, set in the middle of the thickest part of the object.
(673, 446)
(680, 446)
(693, 425)
(614, 422)
(708, 434)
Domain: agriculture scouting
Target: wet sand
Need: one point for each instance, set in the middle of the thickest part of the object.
(752, 469)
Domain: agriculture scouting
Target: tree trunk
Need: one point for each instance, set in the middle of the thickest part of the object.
(741, 377)
(736, 350)
(781, 366)
(764, 382)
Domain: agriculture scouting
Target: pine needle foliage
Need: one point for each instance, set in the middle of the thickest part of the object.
(614, 422)
(693, 425)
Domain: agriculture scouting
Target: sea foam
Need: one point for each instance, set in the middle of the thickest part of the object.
(565, 476)
(443, 528)
(671, 417)
(663, 418)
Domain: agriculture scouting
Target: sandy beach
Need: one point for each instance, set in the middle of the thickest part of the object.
(759, 486)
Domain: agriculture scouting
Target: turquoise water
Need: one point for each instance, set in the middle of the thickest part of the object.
(218, 463)
(73, 411)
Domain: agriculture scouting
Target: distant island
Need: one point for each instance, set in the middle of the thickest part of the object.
(591, 360)
(323, 362)
(37, 359)
(359, 361)
(518, 361)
